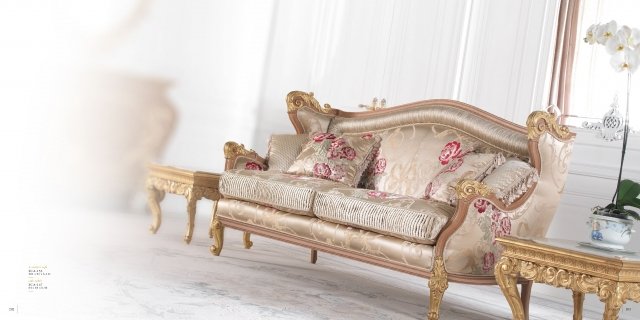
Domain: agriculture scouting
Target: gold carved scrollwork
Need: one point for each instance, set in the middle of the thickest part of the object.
(217, 230)
(169, 186)
(299, 99)
(468, 188)
(438, 284)
(233, 149)
(612, 293)
(506, 271)
(540, 122)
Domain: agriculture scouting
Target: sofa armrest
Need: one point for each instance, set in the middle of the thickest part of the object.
(468, 241)
(238, 157)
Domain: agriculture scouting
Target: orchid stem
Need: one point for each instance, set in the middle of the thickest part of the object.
(625, 135)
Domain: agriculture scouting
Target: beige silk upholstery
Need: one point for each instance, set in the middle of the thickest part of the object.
(395, 215)
(511, 180)
(242, 162)
(283, 150)
(340, 236)
(484, 222)
(341, 158)
(411, 157)
(473, 166)
(390, 225)
(287, 192)
(496, 137)
(313, 121)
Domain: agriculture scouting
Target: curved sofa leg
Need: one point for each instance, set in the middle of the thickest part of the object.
(525, 296)
(438, 283)
(246, 238)
(218, 236)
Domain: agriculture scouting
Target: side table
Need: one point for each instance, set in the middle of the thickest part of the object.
(194, 185)
(613, 276)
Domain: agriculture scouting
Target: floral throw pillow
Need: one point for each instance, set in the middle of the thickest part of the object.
(471, 166)
(340, 158)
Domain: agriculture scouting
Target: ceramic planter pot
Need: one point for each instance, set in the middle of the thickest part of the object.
(609, 232)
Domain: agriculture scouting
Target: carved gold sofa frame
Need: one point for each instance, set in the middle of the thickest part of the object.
(544, 143)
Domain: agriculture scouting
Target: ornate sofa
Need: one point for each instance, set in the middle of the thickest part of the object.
(424, 188)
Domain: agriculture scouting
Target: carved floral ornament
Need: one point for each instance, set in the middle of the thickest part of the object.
(540, 122)
(469, 188)
(233, 149)
(299, 99)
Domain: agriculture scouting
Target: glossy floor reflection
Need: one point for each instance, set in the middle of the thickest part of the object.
(108, 266)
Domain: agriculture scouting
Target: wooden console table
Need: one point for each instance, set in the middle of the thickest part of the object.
(613, 276)
(194, 185)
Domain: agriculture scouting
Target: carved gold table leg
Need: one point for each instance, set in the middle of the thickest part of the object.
(437, 286)
(218, 237)
(191, 211)
(578, 302)
(611, 294)
(506, 272)
(246, 238)
(314, 256)
(525, 297)
(153, 200)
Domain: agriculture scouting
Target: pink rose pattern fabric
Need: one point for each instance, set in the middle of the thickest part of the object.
(476, 166)
(451, 151)
(374, 171)
(494, 224)
(338, 158)
(251, 165)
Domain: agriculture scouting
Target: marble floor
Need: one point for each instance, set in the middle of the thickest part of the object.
(108, 266)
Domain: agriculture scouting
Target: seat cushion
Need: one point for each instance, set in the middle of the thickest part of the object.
(407, 218)
(287, 192)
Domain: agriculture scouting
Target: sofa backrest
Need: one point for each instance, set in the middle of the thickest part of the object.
(413, 137)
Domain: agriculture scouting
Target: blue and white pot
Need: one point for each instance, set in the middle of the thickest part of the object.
(609, 232)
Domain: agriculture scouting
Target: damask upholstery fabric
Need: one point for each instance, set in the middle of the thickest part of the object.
(484, 223)
(532, 219)
(472, 166)
(340, 236)
(287, 192)
(511, 180)
(497, 137)
(283, 150)
(411, 156)
(395, 215)
(313, 121)
(341, 158)
(242, 162)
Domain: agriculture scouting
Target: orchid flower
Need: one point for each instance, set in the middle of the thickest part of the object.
(626, 59)
(624, 38)
(606, 31)
(591, 34)
(622, 44)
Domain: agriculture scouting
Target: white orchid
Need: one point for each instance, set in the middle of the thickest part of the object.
(591, 34)
(622, 44)
(616, 44)
(606, 31)
(626, 59)
(623, 39)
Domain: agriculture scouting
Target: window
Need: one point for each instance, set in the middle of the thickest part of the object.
(594, 82)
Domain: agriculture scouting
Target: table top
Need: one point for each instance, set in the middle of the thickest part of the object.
(197, 178)
(571, 255)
